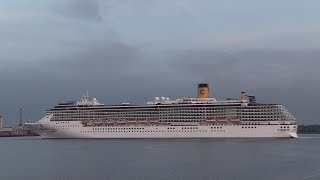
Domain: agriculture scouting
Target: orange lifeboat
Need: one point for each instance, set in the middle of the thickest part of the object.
(234, 119)
(153, 120)
(222, 119)
(143, 121)
(210, 119)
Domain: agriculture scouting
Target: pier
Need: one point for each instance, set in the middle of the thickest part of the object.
(13, 132)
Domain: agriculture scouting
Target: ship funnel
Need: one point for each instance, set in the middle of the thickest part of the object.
(203, 90)
(243, 96)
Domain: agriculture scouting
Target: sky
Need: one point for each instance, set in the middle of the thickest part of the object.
(131, 51)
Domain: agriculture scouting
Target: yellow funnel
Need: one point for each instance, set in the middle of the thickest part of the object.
(243, 96)
(203, 91)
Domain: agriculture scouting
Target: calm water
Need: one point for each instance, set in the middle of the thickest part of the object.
(203, 159)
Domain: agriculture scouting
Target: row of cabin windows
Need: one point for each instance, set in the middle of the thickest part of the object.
(147, 114)
(154, 116)
(216, 127)
(156, 131)
(120, 119)
(249, 127)
(189, 128)
(94, 131)
(284, 127)
(163, 112)
(180, 119)
(149, 109)
(153, 131)
(260, 110)
(249, 108)
(257, 113)
(67, 126)
(259, 116)
(135, 128)
(251, 124)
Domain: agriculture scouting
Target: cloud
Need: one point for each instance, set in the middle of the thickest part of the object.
(80, 9)
(99, 57)
(246, 62)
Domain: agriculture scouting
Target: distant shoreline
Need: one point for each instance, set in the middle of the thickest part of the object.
(308, 132)
(309, 129)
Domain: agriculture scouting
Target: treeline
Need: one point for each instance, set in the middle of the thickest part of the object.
(309, 129)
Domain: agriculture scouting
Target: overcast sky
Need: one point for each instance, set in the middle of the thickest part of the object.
(56, 50)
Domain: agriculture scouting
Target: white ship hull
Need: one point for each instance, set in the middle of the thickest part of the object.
(76, 130)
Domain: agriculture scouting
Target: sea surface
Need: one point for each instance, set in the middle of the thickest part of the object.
(160, 159)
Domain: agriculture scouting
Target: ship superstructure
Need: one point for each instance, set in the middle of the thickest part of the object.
(201, 117)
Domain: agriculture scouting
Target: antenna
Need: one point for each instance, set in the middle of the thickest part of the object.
(85, 98)
(20, 124)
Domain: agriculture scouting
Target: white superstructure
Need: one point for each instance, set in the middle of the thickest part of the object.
(200, 117)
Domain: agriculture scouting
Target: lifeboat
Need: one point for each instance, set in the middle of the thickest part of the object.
(153, 120)
(143, 121)
(121, 122)
(234, 119)
(222, 119)
(211, 119)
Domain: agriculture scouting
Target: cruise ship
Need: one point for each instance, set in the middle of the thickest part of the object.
(198, 117)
